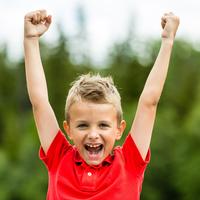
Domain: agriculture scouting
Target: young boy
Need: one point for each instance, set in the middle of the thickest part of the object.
(91, 169)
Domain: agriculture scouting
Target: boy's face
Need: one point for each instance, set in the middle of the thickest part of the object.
(93, 128)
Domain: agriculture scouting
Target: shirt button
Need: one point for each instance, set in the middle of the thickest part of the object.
(89, 174)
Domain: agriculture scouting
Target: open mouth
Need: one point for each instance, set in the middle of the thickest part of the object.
(93, 148)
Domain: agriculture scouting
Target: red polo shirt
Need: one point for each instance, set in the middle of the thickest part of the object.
(118, 177)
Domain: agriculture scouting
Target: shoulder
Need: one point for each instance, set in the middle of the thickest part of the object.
(130, 153)
(58, 148)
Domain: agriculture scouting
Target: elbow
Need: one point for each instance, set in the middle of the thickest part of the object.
(38, 101)
(150, 97)
(40, 106)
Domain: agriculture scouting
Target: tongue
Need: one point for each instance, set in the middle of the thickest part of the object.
(93, 155)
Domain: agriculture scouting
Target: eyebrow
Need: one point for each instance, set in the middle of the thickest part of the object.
(81, 121)
(84, 121)
(105, 122)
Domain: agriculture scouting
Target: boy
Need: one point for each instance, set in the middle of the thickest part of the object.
(91, 169)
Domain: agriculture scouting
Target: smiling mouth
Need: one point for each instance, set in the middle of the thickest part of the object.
(93, 148)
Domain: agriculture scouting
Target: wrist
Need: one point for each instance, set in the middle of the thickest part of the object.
(27, 38)
(168, 41)
(33, 41)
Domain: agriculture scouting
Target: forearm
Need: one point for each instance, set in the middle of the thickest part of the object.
(143, 123)
(156, 79)
(35, 77)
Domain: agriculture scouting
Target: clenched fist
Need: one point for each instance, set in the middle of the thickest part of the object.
(36, 23)
(169, 23)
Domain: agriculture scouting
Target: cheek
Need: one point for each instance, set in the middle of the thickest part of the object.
(110, 137)
(111, 132)
(114, 132)
(78, 137)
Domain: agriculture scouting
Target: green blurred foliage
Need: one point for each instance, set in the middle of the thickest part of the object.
(173, 172)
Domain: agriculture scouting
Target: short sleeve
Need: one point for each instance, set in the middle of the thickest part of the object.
(132, 155)
(56, 151)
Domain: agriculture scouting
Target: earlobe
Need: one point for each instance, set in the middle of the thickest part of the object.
(67, 129)
(121, 129)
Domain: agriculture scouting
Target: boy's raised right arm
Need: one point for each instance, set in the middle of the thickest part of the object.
(35, 24)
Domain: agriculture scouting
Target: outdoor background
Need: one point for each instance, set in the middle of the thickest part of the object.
(117, 38)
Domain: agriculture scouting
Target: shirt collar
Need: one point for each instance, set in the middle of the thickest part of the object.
(79, 161)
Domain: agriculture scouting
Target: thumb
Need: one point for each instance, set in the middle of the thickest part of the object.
(48, 21)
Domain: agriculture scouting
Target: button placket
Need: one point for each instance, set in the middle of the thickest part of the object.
(89, 174)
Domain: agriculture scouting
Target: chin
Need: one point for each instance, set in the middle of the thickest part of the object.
(94, 162)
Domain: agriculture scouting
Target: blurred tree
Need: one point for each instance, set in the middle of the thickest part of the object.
(173, 171)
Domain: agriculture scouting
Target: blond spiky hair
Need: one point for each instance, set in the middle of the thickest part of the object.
(94, 88)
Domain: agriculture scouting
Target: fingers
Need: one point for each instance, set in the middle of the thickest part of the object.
(164, 19)
(169, 23)
(163, 22)
(169, 16)
(38, 16)
(48, 21)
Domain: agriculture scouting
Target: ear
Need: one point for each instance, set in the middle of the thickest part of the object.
(120, 129)
(67, 129)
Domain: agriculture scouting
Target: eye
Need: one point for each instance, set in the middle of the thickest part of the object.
(104, 125)
(82, 126)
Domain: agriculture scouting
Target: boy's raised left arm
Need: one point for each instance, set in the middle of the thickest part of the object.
(141, 130)
(36, 23)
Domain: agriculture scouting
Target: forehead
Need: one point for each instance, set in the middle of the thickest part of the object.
(84, 110)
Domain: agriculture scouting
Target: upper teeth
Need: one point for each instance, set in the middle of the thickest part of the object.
(93, 145)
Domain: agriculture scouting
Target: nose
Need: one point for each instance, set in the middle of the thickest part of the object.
(93, 134)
